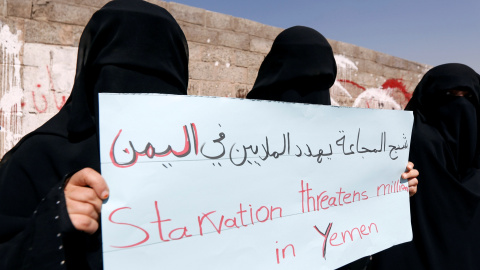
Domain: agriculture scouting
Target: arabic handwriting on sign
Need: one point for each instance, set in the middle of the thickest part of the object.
(348, 150)
(398, 147)
(245, 148)
(221, 136)
(300, 153)
(243, 159)
(239, 154)
(275, 154)
(341, 142)
(322, 154)
(383, 142)
(309, 154)
(150, 151)
(383, 139)
(255, 149)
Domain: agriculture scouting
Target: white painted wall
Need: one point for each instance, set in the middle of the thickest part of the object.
(11, 88)
(36, 80)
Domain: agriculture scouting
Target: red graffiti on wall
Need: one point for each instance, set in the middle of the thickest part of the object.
(398, 84)
(52, 87)
(393, 91)
(390, 83)
(35, 103)
(353, 83)
(58, 105)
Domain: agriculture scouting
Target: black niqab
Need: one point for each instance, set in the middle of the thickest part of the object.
(128, 46)
(445, 149)
(300, 67)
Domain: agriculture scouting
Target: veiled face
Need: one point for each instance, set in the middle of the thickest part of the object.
(128, 46)
(458, 93)
(300, 67)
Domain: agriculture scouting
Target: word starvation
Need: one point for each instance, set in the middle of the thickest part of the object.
(213, 221)
(207, 222)
(239, 155)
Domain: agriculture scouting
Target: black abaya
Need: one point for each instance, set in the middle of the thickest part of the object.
(445, 149)
(300, 68)
(129, 46)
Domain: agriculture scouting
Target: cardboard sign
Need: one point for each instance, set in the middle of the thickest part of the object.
(219, 183)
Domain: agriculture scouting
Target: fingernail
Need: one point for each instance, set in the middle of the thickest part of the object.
(105, 194)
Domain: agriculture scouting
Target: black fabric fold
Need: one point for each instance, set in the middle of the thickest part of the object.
(445, 149)
(128, 46)
(300, 67)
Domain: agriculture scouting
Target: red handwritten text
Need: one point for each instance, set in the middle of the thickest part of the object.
(324, 201)
(262, 214)
(395, 187)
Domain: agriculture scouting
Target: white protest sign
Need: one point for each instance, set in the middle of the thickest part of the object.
(218, 183)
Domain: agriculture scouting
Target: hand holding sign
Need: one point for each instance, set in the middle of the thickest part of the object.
(84, 193)
(411, 175)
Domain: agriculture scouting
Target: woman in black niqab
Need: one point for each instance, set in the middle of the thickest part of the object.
(128, 46)
(300, 67)
(445, 147)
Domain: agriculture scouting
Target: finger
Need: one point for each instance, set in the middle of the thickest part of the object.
(413, 182)
(83, 195)
(84, 223)
(409, 166)
(80, 208)
(91, 178)
(411, 174)
(412, 190)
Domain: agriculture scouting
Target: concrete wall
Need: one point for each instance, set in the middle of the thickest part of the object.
(39, 39)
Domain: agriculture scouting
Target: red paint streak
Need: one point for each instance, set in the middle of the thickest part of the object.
(354, 83)
(22, 104)
(35, 103)
(398, 84)
(39, 85)
(61, 104)
(52, 87)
